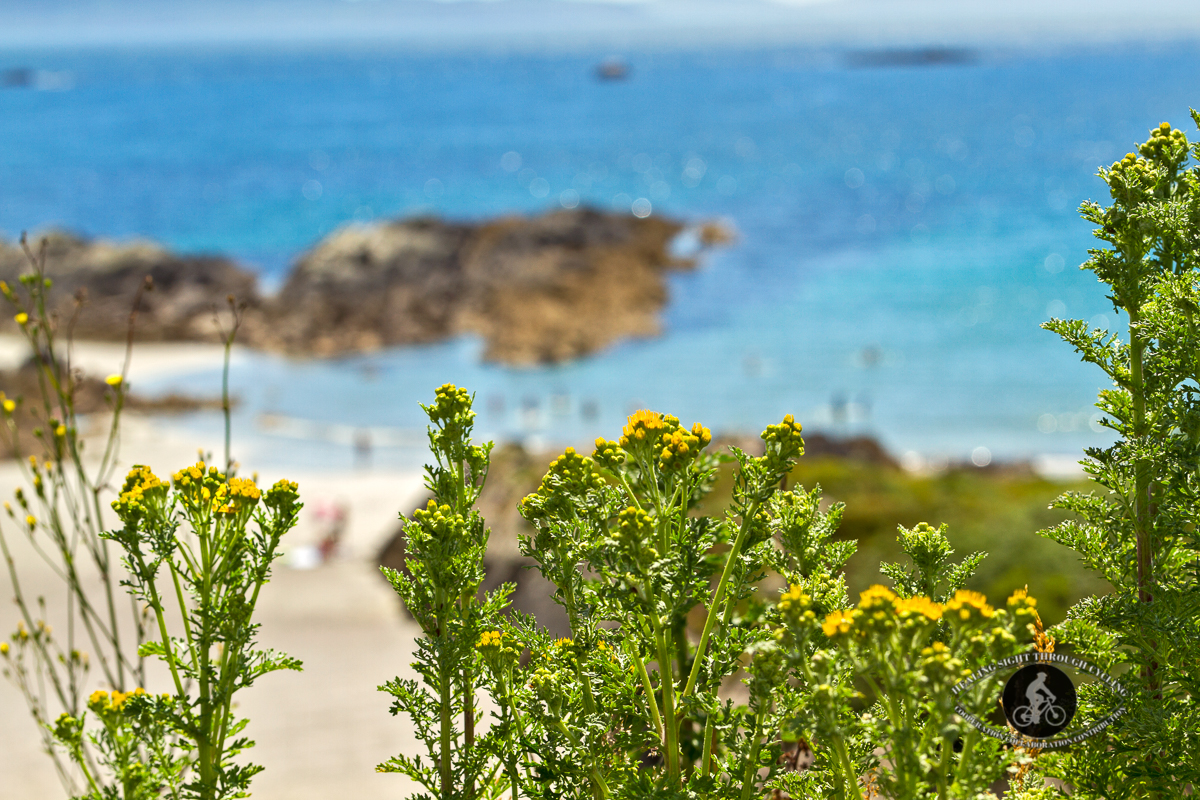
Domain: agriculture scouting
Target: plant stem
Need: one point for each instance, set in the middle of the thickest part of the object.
(645, 679)
(445, 687)
(706, 760)
(597, 777)
(847, 770)
(667, 684)
(718, 597)
(752, 761)
(1141, 500)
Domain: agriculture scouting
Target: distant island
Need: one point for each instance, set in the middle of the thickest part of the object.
(538, 290)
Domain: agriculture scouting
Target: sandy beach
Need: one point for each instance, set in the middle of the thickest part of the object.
(319, 732)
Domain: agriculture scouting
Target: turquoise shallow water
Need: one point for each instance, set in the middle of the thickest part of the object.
(902, 231)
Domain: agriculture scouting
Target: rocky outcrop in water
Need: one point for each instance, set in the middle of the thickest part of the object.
(107, 276)
(536, 290)
(539, 290)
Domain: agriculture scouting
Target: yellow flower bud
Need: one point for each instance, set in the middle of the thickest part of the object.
(22, 318)
(114, 380)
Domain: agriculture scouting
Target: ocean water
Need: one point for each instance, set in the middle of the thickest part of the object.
(901, 231)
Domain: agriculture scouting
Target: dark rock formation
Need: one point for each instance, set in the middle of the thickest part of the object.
(539, 290)
(107, 276)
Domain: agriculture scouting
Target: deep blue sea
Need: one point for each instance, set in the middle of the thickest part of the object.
(902, 231)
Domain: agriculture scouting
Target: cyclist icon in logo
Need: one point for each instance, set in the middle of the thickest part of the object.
(1039, 700)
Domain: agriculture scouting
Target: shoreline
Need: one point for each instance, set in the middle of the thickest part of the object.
(161, 368)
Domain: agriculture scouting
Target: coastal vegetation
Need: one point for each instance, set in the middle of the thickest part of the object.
(713, 648)
(841, 700)
(191, 555)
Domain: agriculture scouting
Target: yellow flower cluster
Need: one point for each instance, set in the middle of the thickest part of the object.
(654, 435)
(918, 607)
(940, 665)
(1131, 178)
(282, 495)
(9, 405)
(1020, 604)
(451, 406)
(194, 474)
(570, 476)
(795, 606)
(681, 447)
(646, 426)
(1164, 141)
(495, 652)
(608, 453)
(635, 532)
(879, 609)
(968, 604)
(438, 521)
(101, 701)
(141, 487)
(547, 685)
(237, 495)
(784, 440)
(839, 622)
(489, 639)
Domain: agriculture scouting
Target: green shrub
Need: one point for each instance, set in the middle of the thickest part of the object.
(631, 706)
(839, 702)
(1139, 533)
(198, 549)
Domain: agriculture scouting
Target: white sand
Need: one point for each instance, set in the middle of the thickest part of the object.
(320, 732)
(151, 359)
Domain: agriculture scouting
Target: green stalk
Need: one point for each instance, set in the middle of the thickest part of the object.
(225, 407)
(645, 679)
(156, 604)
(847, 770)
(718, 597)
(597, 777)
(508, 714)
(709, 730)
(187, 629)
(666, 682)
(752, 761)
(589, 701)
(943, 769)
(444, 698)
(1141, 500)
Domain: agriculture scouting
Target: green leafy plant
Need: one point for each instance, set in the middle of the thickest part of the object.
(60, 515)
(669, 611)
(1140, 532)
(196, 556)
(909, 648)
(211, 572)
(668, 606)
(440, 584)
